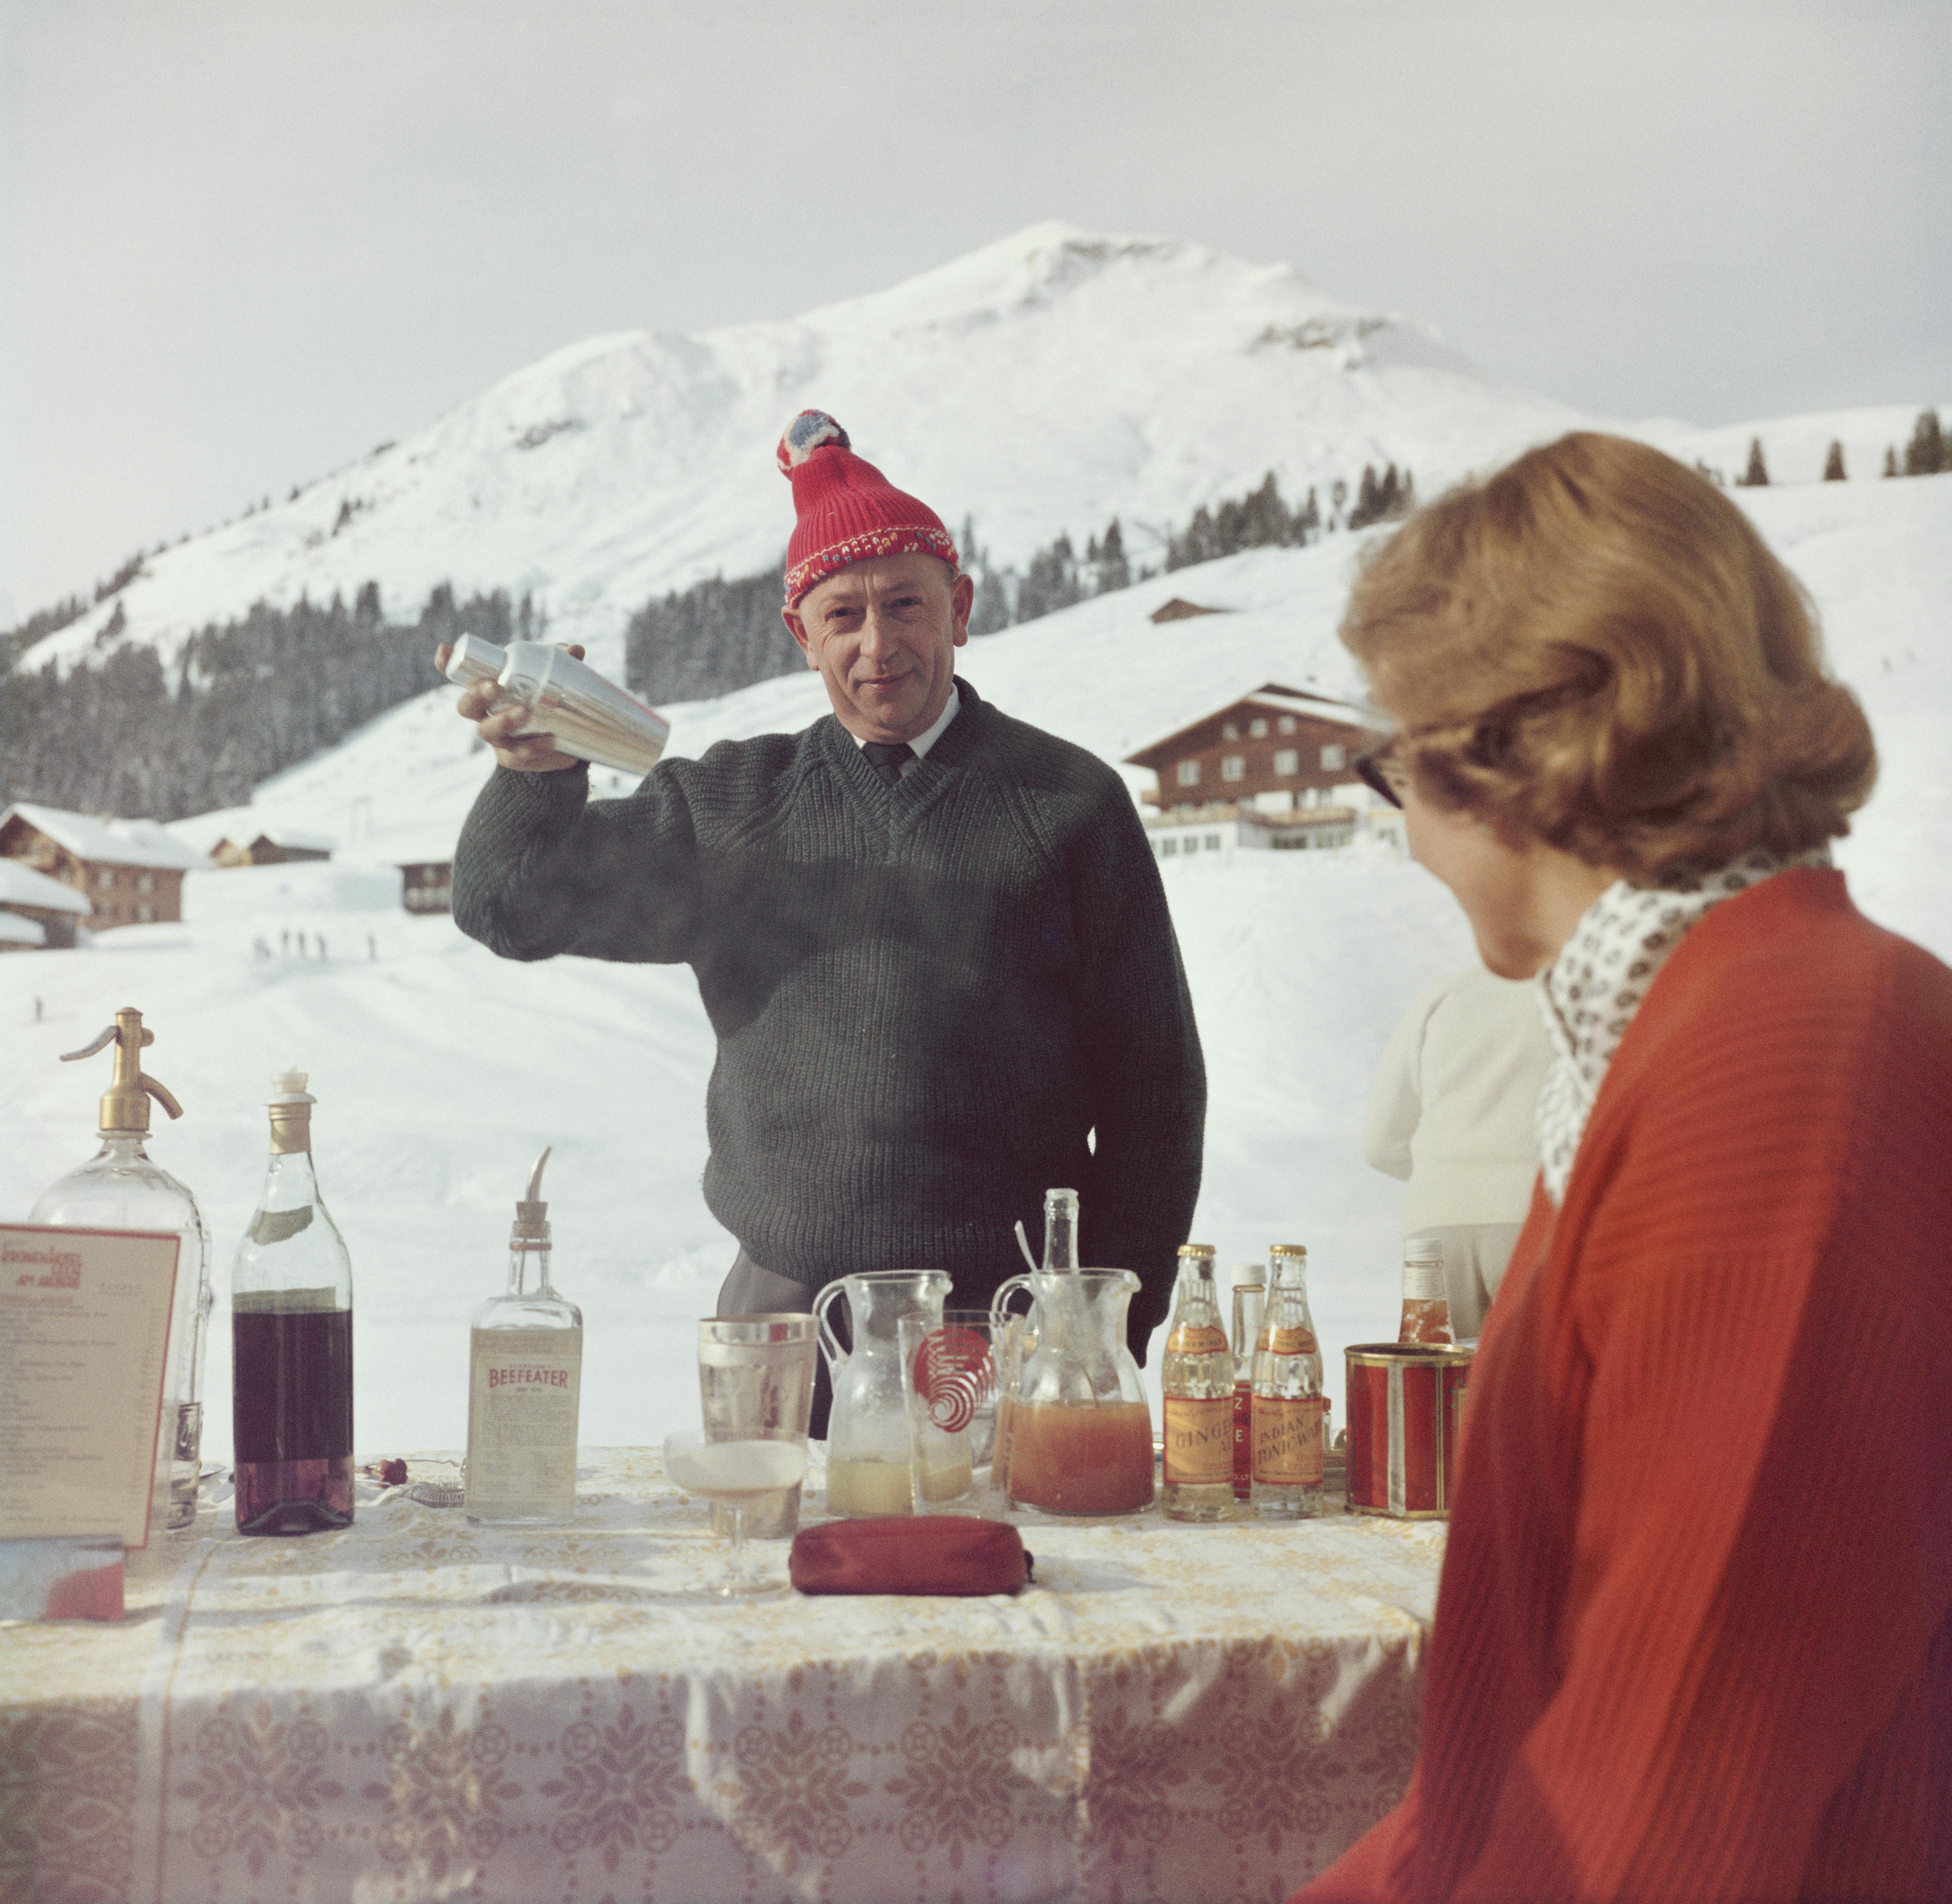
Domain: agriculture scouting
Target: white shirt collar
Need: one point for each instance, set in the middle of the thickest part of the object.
(923, 742)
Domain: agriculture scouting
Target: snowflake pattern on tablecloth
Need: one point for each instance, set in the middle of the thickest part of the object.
(444, 1795)
(619, 1787)
(793, 1794)
(260, 1788)
(956, 1786)
(1588, 995)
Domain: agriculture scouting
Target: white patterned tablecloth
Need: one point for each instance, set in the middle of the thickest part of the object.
(415, 1708)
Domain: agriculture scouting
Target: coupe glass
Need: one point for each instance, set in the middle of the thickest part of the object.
(732, 1474)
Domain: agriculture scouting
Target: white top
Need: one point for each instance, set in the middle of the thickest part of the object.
(1454, 1105)
(923, 742)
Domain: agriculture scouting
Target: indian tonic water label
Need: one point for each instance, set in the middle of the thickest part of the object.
(1199, 1440)
(523, 1392)
(1287, 1440)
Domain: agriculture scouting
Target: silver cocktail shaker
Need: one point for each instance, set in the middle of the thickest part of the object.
(587, 716)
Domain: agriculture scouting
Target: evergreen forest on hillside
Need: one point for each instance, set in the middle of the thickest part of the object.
(243, 700)
(717, 635)
(249, 697)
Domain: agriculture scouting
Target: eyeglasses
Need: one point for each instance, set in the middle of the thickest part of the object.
(1380, 773)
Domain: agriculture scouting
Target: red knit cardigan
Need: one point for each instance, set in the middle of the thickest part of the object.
(1692, 1637)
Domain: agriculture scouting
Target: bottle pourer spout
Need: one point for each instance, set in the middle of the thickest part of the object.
(532, 1213)
(125, 1105)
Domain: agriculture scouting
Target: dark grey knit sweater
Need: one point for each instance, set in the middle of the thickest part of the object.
(925, 996)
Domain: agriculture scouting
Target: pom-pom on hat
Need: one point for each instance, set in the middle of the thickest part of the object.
(847, 511)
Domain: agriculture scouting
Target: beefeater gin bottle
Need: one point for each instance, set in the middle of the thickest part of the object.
(525, 1385)
(1198, 1379)
(1288, 1395)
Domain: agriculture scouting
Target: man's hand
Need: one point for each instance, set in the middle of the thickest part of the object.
(523, 753)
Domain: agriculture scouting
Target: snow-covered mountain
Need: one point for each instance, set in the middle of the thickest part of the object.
(1048, 381)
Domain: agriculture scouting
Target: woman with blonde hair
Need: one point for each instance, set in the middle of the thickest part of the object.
(1692, 1639)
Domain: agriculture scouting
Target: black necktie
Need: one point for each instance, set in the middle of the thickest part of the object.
(886, 757)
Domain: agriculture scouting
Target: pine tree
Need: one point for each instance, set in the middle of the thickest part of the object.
(1756, 477)
(1833, 463)
(1924, 454)
(992, 609)
(1114, 571)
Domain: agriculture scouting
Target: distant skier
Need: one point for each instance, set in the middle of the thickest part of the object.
(372, 946)
(285, 944)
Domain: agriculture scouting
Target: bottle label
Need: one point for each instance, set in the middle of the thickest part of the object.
(1243, 1440)
(275, 1226)
(1287, 1440)
(522, 1414)
(1199, 1440)
(1289, 1342)
(1207, 1340)
(1423, 1281)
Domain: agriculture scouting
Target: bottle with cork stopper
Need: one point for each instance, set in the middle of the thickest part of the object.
(120, 1188)
(291, 1326)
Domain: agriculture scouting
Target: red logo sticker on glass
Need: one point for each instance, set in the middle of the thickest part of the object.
(955, 1375)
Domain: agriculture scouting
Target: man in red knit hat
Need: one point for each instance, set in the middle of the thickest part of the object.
(931, 939)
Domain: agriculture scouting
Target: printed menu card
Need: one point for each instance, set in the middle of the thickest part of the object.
(84, 1328)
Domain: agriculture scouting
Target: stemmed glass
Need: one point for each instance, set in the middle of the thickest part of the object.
(732, 1474)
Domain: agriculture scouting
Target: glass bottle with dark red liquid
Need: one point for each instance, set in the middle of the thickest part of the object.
(291, 1321)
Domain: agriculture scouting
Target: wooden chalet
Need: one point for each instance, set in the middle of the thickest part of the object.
(36, 912)
(277, 848)
(129, 871)
(1275, 741)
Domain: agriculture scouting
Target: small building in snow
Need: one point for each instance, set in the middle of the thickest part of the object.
(274, 847)
(427, 885)
(36, 912)
(1180, 609)
(1274, 741)
(129, 871)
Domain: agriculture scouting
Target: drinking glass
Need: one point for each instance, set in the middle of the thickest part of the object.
(756, 1383)
(949, 1387)
(732, 1474)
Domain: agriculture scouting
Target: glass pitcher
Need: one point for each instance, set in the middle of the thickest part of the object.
(867, 1428)
(1075, 1421)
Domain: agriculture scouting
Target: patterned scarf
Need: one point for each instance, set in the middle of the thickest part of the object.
(1589, 995)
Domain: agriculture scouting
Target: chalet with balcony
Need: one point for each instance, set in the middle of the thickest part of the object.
(1276, 748)
(130, 872)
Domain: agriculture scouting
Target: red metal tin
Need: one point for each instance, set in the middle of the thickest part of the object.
(1406, 1419)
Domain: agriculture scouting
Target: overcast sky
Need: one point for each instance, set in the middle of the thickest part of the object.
(242, 243)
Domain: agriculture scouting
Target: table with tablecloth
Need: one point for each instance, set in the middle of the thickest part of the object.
(415, 1708)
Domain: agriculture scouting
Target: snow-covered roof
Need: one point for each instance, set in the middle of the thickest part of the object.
(112, 842)
(22, 885)
(1272, 696)
(288, 836)
(15, 930)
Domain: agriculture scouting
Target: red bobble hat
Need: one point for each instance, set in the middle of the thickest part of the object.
(847, 511)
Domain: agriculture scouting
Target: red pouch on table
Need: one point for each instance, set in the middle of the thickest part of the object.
(924, 1553)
